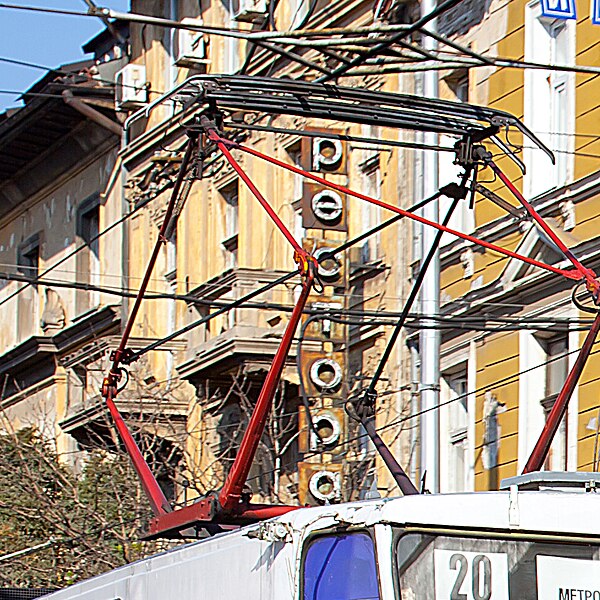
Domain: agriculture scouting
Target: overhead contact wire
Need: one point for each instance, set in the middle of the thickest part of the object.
(244, 299)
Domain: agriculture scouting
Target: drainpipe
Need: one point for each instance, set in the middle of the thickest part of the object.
(429, 339)
(91, 113)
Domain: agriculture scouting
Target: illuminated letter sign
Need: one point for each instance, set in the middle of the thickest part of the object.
(560, 9)
(596, 12)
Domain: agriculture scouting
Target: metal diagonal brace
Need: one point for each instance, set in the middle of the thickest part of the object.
(156, 497)
(588, 274)
(231, 493)
(224, 145)
(575, 274)
(540, 451)
(362, 409)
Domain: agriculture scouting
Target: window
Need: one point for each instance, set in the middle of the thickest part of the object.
(488, 566)
(556, 370)
(463, 218)
(28, 261)
(88, 260)
(544, 362)
(171, 281)
(549, 106)
(295, 155)
(231, 50)
(454, 424)
(341, 567)
(28, 258)
(371, 213)
(229, 194)
(298, 12)
(458, 83)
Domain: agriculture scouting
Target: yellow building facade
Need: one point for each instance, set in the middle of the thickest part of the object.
(500, 383)
(225, 246)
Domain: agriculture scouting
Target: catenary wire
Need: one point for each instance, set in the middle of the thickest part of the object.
(23, 63)
(375, 318)
(240, 301)
(252, 36)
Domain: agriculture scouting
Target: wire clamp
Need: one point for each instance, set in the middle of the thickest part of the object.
(122, 356)
(305, 262)
(469, 154)
(455, 191)
(214, 134)
(362, 406)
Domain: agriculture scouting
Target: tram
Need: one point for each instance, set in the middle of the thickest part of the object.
(517, 543)
(535, 539)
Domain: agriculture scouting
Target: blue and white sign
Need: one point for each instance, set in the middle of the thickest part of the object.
(595, 10)
(560, 9)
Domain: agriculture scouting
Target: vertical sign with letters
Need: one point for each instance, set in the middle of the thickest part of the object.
(559, 9)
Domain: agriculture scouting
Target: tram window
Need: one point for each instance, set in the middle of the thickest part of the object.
(432, 567)
(341, 567)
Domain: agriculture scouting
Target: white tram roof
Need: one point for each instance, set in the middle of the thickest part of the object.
(228, 556)
(563, 512)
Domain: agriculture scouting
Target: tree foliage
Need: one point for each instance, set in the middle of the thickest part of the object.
(89, 520)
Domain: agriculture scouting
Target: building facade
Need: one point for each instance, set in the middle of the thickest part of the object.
(102, 182)
(59, 169)
(225, 246)
(498, 384)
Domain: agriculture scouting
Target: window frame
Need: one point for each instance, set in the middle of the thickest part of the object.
(399, 530)
(88, 209)
(310, 539)
(25, 250)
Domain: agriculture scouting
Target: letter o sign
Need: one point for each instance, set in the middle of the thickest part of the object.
(327, 206)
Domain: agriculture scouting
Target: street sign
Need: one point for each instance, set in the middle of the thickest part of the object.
(560, 9)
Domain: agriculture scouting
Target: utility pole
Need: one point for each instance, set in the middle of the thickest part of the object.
(429, 339)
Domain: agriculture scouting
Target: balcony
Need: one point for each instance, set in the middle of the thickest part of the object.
(248, 336)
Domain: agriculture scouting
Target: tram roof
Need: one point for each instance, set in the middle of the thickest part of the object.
(546, 511)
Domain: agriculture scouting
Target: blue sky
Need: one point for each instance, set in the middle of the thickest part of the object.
(44, 39)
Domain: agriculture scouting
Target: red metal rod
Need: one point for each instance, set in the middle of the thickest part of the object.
(230, 495)
(222, 144)
(568, 273)
(159, 242)
(160, 505)
(540, 452)
(258, 512)
(202, 513)
(588, 274)
(158, 502)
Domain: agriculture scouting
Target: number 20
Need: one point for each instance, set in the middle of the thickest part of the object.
(481, 570)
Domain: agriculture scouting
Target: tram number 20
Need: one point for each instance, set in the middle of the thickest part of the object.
(463, 575)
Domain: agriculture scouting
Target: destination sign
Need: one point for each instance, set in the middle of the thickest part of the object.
(461, 575)
(567, 578)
